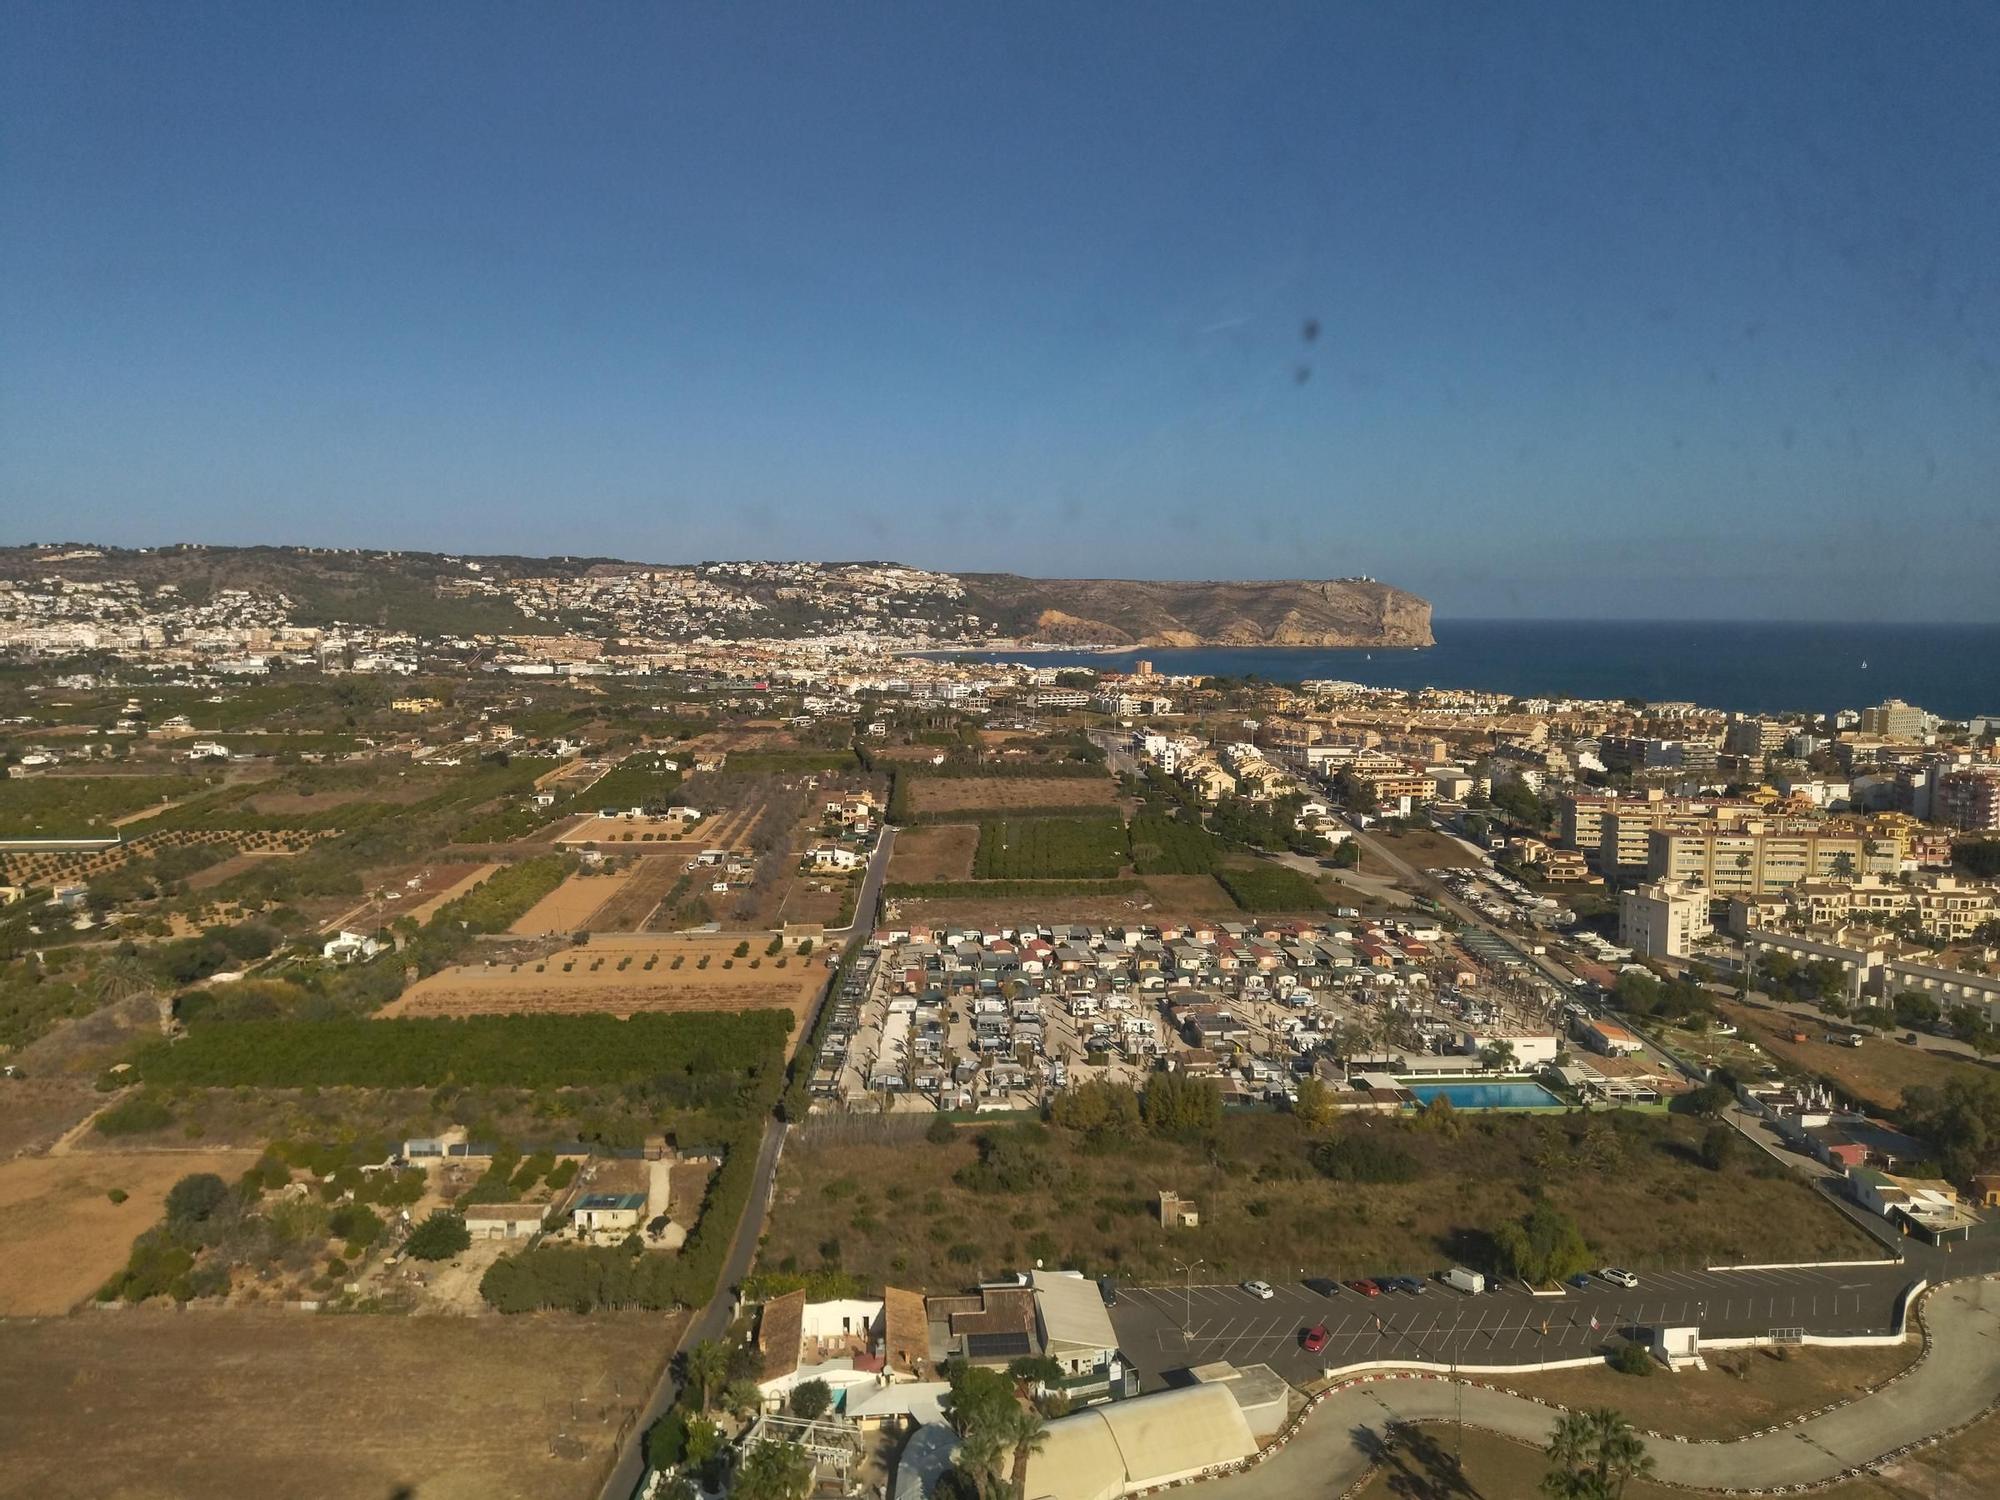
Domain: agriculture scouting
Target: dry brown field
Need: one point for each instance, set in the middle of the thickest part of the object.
(399, 791)
(235, 865)
(645, 887)
(1427, 849)
(1164, 896)
(1191, 896)
(929, 794)
(568, 908)
(940, 851)
(1741, 1390)
(35, 1112)
(151, 1404)
(593, 982)
(61, 1236)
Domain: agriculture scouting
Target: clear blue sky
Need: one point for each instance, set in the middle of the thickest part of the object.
(1676, 310)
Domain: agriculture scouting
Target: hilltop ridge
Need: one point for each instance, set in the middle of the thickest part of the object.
(469, 594)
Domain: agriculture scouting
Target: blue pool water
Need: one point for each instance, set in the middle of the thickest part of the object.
(1485, 1095)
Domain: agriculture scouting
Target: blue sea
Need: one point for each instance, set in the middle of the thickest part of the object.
(1952, 670)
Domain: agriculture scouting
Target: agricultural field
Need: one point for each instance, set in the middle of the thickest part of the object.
(446, 883)
(62, 1236)
(937, 851)
(992, 905)
(1086, 848)
(874, 1198)
(975, 794)
(569, 907)
(355, 1408)
(1271, 888)
(48, 807)
(646, 884)
(697, 1057)
(1167, 846)
(641, 974)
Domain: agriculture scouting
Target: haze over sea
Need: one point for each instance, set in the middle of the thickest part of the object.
(1748, 666)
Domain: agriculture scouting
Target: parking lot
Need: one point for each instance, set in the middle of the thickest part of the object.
(1166, 1329)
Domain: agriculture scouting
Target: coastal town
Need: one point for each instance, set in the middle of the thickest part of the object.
(1161, 973)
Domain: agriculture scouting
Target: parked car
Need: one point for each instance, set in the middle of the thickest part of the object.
(1365, 1288)
(1581, 1280)
(1261, 1290)
(1326, 1286)
(1316, 1337)
(1619, 1276)
(1108, 1290)
(1407, 1284)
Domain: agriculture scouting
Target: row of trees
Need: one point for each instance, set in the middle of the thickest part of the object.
(1070, 848)
(1169, 846)
(1271, 888)
(701, 1059)
(1172, 1104)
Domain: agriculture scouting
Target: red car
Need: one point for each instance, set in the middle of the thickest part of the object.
(1316, 1338)
(1365, 1288)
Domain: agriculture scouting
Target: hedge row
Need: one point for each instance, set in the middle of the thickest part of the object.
(973, 890)
(723, 1053)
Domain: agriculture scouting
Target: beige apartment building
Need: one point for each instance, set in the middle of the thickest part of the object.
(1893, 720)
(1946, 909)
(1663, 920)
(1754, 859)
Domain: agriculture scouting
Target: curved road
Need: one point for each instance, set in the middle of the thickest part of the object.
(1957, 1382)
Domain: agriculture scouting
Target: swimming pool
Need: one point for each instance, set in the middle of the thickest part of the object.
(1485, 1095)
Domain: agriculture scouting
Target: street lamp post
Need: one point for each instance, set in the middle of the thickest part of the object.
(1187, 1269)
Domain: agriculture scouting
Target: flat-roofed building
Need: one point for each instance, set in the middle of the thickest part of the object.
(1663, 919)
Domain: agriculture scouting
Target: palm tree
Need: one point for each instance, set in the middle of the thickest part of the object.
(979, 1454)
(1595, 1455)
(1029, 1434)
(705, 1366)
(774, 1471)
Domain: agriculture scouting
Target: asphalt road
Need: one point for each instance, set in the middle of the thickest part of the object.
(1166, 1329)
(1959, 1380)
(871, 886)
(712, 1321)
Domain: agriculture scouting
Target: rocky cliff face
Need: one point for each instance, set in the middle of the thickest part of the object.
(1129, 612)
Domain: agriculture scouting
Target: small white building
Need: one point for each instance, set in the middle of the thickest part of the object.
(351, 948)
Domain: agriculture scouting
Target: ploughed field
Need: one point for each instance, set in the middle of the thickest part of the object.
(623, 975)
(944, 794)
(942, 851)
(570, 906)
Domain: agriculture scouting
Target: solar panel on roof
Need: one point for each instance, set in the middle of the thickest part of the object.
(997, 1345)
